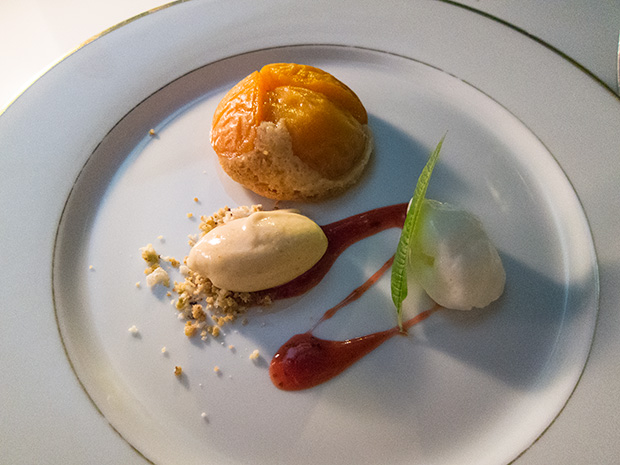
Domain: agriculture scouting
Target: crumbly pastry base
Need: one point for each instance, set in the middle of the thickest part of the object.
(273, 171)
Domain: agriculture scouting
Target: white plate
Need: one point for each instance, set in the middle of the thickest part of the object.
(466, 388)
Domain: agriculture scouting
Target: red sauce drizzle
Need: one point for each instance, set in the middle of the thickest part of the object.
(305, 361)
(340, 235)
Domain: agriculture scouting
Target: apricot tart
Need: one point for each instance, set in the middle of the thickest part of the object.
(292, 132)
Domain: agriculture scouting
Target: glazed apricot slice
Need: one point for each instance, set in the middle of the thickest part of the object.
(322, 115)
(324, 120)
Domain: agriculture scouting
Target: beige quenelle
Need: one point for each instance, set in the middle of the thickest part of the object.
(261, 251)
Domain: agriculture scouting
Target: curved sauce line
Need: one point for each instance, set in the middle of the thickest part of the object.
(305, 361)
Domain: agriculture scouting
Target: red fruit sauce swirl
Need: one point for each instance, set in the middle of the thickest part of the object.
(340, 235)
(305, 361)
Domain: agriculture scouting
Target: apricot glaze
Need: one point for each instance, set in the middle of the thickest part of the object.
(323, 116)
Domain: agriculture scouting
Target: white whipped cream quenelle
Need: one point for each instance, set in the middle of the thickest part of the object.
(261, 251)
(453, 259)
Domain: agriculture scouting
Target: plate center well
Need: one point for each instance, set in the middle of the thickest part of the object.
(477, 387)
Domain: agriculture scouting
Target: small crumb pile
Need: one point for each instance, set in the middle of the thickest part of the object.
(205, 307)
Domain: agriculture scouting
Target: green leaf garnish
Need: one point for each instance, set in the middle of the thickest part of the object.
(399, 267)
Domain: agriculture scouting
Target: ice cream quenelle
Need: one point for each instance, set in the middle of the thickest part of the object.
(453, 259)
(258, 252)
(292, 132)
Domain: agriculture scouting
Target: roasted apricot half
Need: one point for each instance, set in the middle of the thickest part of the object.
(304, 111)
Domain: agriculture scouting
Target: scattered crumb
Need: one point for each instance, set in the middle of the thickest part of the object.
(178, 371)
(161, 238)
(254, 355)
(151, 132)
(205, 307)
(173, 261)
(204, 416)
(133, 330)
(196, 200)
(164, 350)
(192, 239)
(138, 284)
(217, 370)
(190, 328)
(158, 276)
(190, 215)
(90, 267)
(231, 347)
(151, 257)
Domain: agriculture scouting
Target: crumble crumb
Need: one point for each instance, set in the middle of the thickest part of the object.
(192, 239)
(151, 132)
(155, 274)
(216, 370)
(178, 371)
(164, 350)
(149, 255)
(133, 330)
(196, 200)
(158, 276)
(224, 215)
(190, 215)
(137, 283)
(90, 267)
(197, 297)
(254, 355)
(173, 261)
(190, 328)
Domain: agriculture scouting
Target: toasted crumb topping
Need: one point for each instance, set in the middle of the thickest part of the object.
(173, 261)
(150, 256)
(224, 215)
(204, 307)
(158, 276)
